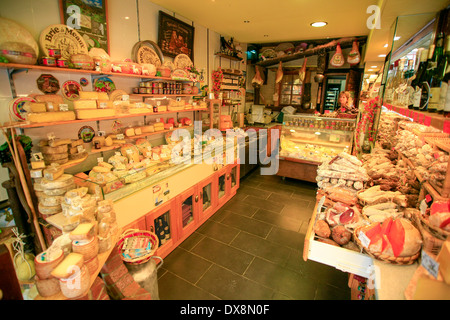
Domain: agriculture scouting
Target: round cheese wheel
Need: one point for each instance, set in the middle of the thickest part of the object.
(63, 181)
(47, 287)
(46, 261)
(50, 210)
(88, 248)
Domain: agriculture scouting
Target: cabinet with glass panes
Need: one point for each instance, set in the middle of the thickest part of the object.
(315, 138)
(291, 90)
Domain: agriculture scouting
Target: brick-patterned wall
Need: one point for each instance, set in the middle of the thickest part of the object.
(97, 291)
(120, 285)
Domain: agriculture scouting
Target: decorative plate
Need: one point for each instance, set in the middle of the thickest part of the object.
(86, 133)
(182, 61)
(268, 53)
(61, 37)
(104, 84)
(71, 90)
(149, 45)
(47, 84)
(180, 74)
(16, 108)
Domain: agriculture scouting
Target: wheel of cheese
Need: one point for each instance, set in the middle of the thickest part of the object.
(52, 150)
(88, 248)
(55, 156)
(92, 265)
(49, 201)
(12, 31)
(63, 181)
(57, 191)
(46, 261)
(76, 285)
(60, 36)
(50, 210)
(47, 287)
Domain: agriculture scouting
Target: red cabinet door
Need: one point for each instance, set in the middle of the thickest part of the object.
(208, 201)
(233, 172)
(187, 218)
(222, 192)
(163, 221)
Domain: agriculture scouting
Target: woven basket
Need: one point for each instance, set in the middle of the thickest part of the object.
(130, 233)
(434, 231)
(384, 257)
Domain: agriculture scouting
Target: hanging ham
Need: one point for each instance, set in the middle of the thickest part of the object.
(279, 76)
(302, 72)
(257, 80)
(354, 57)
(338, 59)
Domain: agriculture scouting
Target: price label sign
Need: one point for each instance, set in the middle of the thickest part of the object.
(365, 241)
(430, 264)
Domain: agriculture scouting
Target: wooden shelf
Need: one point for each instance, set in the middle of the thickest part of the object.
(45, 124)
(227, 56)
(162, 95)
(432, 119)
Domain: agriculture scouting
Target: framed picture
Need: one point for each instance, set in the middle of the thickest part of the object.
(89, 18)
(175, 36)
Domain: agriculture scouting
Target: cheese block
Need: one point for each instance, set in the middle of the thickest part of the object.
(78, 156)
(105, 206)
(147, 129)
(51, 210)
(100, 140)
(161, 108)
(62, 161)
(56, 99)
(73, 150)
(100, 169)
(84, 104)
(137, 131)
(129, 132)
(85, 202)
(74, 193)
(37, 107)
(76, 143)
(69, 266)
(59, 142)
(131, 152)
(58, 149)
(63, 181)
(54, 116)
(55, 156)
(443, 259)
(38, 186)
(94, 113)
(106, 165)
(88, 95)
(138, 110)
(57, 191)
(53, 172)
(50, 201)
(117, 141)
(144, 147)
(108, 141)
(428, 288)
(37, 164)
(84, 231)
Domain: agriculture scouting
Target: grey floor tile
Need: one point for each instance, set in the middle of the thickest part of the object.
(263, 204)
(228, 285)
(224, 255)
(287, 238)
(218, 231)
(247, 224)
(278, 219)
(186, 265)
(172, 287)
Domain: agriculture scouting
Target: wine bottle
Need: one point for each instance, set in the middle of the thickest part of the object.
(420, 76)
(436, 73)
(389, 89)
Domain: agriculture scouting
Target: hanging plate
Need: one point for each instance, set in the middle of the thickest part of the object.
(104, 84)
(182, 61)
(71, 90)
(67, 40)
(16, 108)
(147, 51)
(86, 133)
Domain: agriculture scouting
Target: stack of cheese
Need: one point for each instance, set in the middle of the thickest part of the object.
(48, 108)
(78, 205)
(93, 105)
(51, 188)
(175, 105)
(76, 150)
(60, 151)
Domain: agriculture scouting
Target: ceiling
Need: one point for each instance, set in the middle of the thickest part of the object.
(289, 20)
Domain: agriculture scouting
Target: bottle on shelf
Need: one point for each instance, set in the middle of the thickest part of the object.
(419, 77)
(389, 89)
(409, 77)
(401, 84)
(396, 82)
(436, 74)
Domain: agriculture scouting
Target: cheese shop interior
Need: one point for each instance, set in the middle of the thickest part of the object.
(340, 101)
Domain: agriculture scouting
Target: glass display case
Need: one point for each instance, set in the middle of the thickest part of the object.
(315, 139)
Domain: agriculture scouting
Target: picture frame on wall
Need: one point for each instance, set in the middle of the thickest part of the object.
(175, 36)
(89, 18)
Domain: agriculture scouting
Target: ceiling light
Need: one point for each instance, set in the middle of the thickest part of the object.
(126, 18)
(386, 45)
(396, 38)
(382, 55)
(266, 35)
(374, 67)
(319, 24)
(246, 21)
(370, 70)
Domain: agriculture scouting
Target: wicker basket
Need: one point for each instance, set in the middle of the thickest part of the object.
(439, 233)
(384, 257)
(130, 233)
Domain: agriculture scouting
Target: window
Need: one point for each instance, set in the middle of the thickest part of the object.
(291, 89)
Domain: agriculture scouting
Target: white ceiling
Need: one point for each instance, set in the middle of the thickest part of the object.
(289, 20)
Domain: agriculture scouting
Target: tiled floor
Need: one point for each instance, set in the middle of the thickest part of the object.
(251, 249)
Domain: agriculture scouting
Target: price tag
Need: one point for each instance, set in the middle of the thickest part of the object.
(129, 151)
(138, 104)
(148, 154)
(100, 160)
(63, 107)
(103, 105)
(430, 264)
(320, 205)
(125, 97)
(117, 153)
(365, 241)
(37, 156)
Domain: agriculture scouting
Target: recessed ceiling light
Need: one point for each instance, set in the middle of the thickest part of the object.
(386, 45)
(246, 21)
(126, 18)
(266, 35)
(396, 38)
(374, 67)
(382, 55)
(370, 70)
(319, 24)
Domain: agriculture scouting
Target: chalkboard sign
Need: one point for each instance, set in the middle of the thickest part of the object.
(89, 18)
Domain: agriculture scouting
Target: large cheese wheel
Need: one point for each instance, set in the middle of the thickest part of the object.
(55, 156)
(13, 31)
(47, 287)
(63, 181)
(46, 261)
(49, 210)
(49, 201)
(52, 150)
(77, 284)
(88, 248)
(57, 191)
